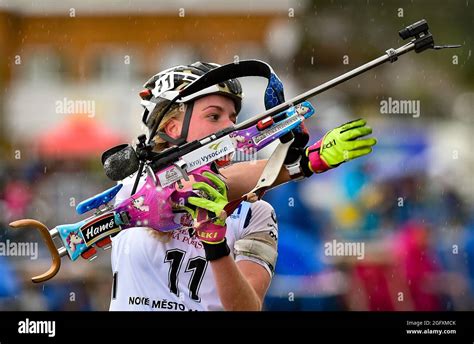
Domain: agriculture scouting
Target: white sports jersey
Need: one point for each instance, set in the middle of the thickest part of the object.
(153, 275)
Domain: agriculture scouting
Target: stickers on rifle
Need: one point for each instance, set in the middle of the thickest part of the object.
(183, 218)
(169, 175)
(99, 228)
(275, 129)
(293, 119)
(304, 109)
(72, 239)
(208, 153)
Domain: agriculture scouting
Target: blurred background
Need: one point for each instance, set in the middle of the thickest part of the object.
(70, 73)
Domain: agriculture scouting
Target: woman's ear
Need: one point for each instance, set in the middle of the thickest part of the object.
(173, 128)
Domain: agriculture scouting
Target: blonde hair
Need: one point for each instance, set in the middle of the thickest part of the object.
(164, 237)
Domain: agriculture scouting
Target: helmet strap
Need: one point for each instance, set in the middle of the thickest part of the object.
(184, 130)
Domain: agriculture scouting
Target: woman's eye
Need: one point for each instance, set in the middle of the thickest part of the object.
(214, 117)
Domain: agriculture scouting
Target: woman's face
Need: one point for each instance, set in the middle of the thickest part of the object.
(210, 114)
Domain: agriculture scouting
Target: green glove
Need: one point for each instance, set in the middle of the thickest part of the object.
(217, 198)
(340, 145)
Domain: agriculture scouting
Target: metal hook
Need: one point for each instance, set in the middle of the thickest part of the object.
(48, 239)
